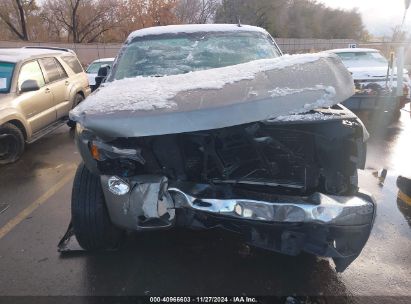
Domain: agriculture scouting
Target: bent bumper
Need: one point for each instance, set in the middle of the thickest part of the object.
(324, 225)
(317, 208)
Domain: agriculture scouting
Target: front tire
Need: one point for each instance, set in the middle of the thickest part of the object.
(91, 222)
(11, 143)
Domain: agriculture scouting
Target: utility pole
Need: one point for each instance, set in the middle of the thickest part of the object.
(400, 55)
(407, 6)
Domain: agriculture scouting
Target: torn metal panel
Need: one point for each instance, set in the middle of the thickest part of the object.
(68, 242)
(147, 205)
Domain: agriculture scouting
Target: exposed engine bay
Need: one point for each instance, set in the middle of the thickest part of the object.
(297, 158)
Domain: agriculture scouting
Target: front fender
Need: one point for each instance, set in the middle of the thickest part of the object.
(7, 115)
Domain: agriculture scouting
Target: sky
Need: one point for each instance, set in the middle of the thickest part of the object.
(379, 16)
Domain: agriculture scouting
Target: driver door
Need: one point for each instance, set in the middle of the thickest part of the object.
(36, 106)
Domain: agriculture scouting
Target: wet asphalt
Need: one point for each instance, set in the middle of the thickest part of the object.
(35, 211)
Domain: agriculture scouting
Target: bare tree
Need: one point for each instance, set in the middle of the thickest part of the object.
(137, 14)
(82, 20)
(294, 18)
(259, 13)
(14, 14)
(161, 12)
(196, 11)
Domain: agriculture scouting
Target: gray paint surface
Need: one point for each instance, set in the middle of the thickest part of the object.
(232, 105)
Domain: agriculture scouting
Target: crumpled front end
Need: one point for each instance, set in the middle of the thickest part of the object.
(288, 184)
(324, 225)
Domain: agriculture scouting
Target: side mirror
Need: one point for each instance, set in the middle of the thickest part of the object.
(101, 75)
(29, 85)
(103, 71)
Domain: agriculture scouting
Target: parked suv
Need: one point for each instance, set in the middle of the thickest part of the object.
(38, 88)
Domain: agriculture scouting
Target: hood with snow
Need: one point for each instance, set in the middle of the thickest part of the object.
(215, 98)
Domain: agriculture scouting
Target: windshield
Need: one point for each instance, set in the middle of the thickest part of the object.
(6, 73)
(363, 59)
(173, 54)
(95, 66)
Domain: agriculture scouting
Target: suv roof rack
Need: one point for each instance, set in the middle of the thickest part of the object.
(49, 48)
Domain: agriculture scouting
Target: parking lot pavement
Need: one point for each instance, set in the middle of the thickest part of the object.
(35, 211)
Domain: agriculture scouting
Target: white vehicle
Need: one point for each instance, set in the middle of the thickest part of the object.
(92, 69)
(373, 81)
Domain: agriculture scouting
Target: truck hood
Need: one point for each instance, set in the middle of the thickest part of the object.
(372, 73)
(215, 98)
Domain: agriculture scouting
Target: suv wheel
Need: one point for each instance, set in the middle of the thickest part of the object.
(77, 99)
(91, 222)
(11, 143)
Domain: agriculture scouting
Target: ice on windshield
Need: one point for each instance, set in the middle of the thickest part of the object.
(183, 53)
(363, 59)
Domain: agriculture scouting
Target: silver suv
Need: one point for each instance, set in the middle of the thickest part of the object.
(38, 88)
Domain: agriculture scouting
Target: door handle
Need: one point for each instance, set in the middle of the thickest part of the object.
(67, 83)
(47, 90)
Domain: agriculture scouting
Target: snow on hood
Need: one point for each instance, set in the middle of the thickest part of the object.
(193, 28)
(216, 98)
(150, 93)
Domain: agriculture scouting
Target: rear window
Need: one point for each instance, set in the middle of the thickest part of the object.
(53, 68)
(73, 63)
(6, 73)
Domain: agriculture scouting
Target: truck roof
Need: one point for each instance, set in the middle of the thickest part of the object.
(193, 28)
(352, 50)
(15, 55)
(103, 60)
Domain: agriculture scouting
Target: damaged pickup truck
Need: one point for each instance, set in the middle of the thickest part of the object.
(210, 126)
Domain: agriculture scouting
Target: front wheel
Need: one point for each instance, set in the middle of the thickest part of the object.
(11, 143)
(91, 222)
